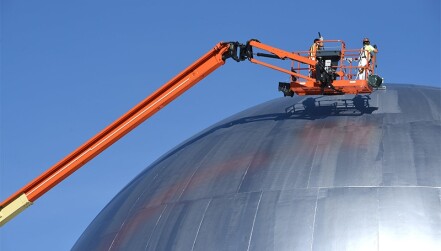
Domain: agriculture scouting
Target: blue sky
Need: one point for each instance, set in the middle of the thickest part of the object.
(70, 68)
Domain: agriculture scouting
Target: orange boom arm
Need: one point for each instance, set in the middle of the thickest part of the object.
(145, 109)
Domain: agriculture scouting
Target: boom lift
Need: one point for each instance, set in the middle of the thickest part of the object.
(333, 77)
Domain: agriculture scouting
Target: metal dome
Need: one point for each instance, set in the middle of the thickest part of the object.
(305, 173)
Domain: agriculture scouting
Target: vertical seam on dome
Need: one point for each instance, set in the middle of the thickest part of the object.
(154, 228)
(200, 224)
(313, 221)
(244, 175)
(254, 221)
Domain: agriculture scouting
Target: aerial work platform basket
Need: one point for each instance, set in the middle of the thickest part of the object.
(337, 71)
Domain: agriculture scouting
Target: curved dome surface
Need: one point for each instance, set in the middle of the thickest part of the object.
(304, 173)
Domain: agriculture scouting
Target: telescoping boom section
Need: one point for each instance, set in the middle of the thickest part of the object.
(331, 79)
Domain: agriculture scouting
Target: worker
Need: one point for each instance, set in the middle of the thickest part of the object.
(317, 45)
(366, 53)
